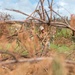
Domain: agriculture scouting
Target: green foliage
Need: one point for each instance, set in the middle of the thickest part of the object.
(57, 67)
(8, 46)
(24, 53)
(53, 46)
(62, 48)
(73, 38)
(63, 33)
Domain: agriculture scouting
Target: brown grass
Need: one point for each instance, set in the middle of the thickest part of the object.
(54, 66)
(33, 44)
(30, 41)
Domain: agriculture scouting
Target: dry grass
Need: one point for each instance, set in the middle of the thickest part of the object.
(45, 67)
(29, 42)
(32, 39)
(34, 43)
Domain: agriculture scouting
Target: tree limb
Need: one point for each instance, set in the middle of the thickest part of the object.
(26, 15)
(31, 60)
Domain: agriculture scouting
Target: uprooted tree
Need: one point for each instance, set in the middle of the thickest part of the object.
(35, 33)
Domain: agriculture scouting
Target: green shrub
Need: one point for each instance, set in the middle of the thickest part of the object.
(63, 33)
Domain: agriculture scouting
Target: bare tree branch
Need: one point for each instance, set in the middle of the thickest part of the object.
(43, 13)
(26, 14)
(31, 60)
(51, 9)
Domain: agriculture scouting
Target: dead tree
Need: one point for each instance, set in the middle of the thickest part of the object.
(72, 23)
(5, 16)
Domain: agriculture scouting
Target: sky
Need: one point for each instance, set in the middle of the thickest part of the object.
(63, 7)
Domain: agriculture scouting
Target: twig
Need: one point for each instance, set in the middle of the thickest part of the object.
(37, 5)
(51, 9)
(43, 13)
(30, 15)
(26, 15)
(31, 60)
(10, 22)
(47, 16)
(24, 60)
(67, 25)
(9, 53)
